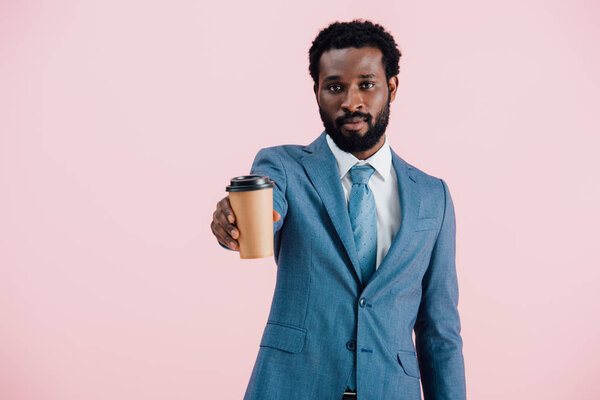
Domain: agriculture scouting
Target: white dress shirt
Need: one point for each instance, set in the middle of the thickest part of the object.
(383, 183)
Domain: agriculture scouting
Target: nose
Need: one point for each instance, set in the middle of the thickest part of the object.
(352, 100)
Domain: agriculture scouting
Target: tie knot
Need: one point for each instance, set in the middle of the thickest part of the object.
(361, 173)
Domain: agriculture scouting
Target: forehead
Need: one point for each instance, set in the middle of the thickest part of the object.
(351, 62)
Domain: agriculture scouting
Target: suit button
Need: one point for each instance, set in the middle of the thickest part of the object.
(351, 345)
(362, 302)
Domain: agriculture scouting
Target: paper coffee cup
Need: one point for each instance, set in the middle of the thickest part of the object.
(251, 198)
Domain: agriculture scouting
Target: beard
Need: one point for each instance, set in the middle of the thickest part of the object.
(355, 142)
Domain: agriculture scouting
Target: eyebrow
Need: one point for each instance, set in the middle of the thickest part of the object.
(337, 77)
(332, 78)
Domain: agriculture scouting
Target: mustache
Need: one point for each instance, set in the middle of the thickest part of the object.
(339, 121)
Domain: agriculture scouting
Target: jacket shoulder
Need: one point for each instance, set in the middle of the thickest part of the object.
(284, 152)
(425, 180)
(423, 177)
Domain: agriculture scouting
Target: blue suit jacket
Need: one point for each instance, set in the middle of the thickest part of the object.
(323, 319)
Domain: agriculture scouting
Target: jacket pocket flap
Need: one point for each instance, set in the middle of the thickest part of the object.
(283, 337)
(409, 363)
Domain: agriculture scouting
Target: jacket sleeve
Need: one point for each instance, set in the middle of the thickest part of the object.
(437, 328)
(268, 162)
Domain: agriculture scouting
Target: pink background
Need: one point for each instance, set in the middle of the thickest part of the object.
(122, 121)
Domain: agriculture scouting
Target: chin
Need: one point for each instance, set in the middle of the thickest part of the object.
(353, 133)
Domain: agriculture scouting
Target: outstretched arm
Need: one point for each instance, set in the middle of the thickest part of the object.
(224, 226)
(267, 162)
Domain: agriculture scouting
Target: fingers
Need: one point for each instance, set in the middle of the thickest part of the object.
(224, 230)
(222, 236)
(276, 216)
(226, 209)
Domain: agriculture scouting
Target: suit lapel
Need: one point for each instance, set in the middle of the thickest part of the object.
(410, 199)
(322, 169)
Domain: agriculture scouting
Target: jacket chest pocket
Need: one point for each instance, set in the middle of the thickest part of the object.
(426, 224)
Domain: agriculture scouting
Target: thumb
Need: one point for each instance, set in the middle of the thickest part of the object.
(276, 216)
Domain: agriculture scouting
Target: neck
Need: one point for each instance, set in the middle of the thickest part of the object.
(363, 155)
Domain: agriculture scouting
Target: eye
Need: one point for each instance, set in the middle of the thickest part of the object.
(334, 88)
(367, 85)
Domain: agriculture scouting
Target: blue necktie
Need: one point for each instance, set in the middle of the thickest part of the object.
(363, 217)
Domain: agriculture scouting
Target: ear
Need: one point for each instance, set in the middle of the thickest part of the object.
(393, 86)
(316, 90)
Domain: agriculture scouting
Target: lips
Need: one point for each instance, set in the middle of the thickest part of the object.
(353, 124)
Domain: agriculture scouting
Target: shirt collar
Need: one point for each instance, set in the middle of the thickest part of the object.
(381, 160)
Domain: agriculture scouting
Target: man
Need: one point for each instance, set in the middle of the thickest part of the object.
(364, 244)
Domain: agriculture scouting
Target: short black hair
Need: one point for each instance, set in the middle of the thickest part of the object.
(358, 33)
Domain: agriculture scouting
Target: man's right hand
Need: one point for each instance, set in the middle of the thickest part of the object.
(223, 224)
